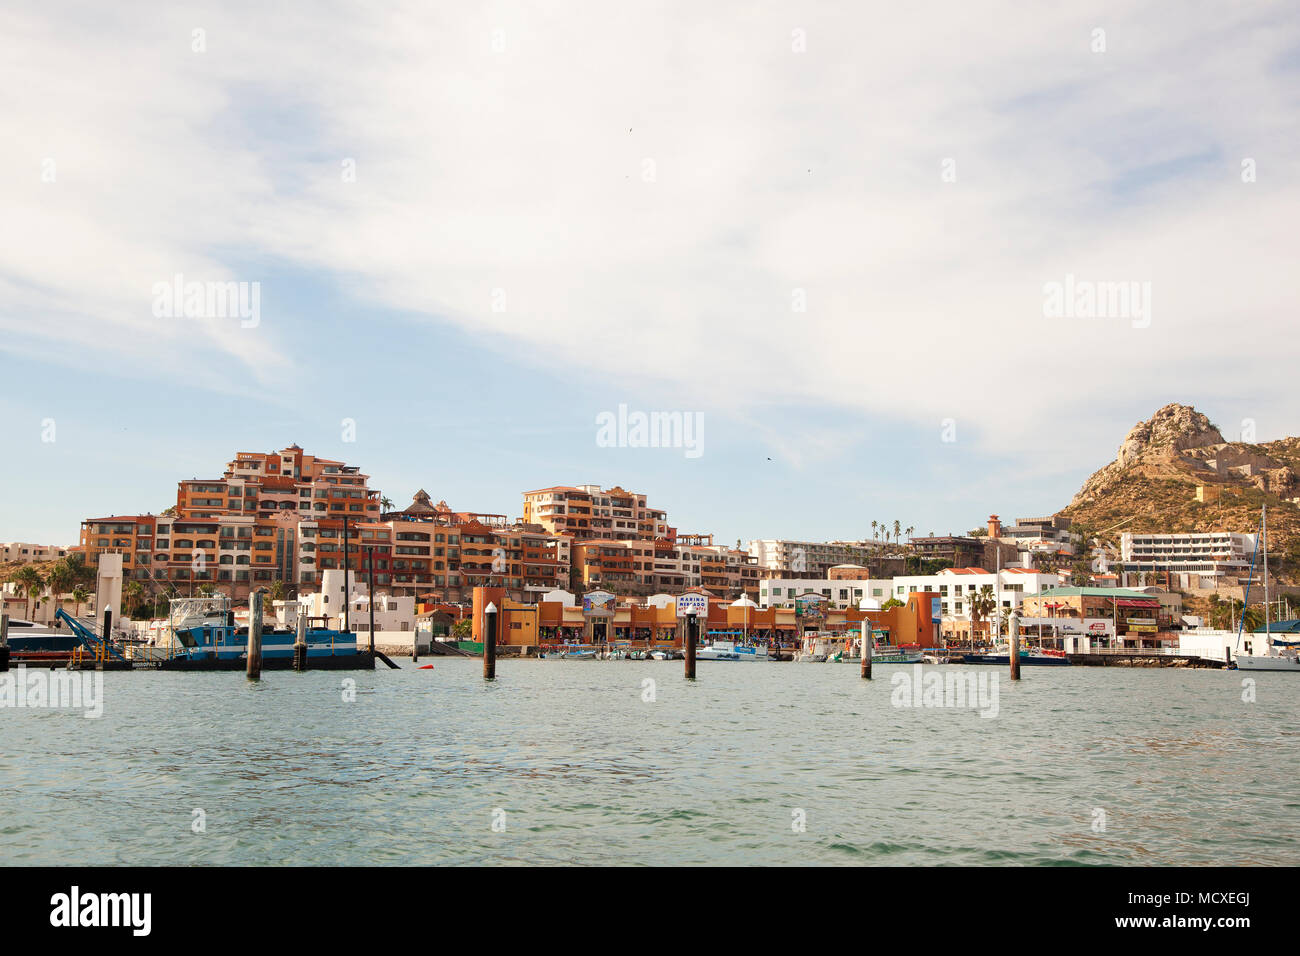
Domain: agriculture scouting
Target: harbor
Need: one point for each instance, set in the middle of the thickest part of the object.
(409, 770)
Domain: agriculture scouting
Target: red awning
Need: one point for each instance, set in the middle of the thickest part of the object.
(1137, 602)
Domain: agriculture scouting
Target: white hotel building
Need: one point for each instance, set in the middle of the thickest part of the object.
(1195, 560)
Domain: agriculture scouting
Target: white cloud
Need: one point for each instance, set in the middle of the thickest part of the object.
(522, 171)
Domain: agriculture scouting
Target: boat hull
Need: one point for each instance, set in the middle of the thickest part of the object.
(1025, 660)
(1247, 662)
(362, 661)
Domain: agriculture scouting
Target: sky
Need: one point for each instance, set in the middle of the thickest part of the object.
(827, 234)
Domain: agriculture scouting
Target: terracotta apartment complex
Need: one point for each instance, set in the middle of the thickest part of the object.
(281, 517)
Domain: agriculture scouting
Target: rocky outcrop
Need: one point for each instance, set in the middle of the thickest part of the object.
(1151, 486)
(1156, 445)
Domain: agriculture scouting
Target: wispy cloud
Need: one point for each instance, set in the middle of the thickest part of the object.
(675, 196)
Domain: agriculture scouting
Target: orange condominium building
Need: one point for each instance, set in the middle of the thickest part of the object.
(619, 542)
(282, 517)
(275, 516)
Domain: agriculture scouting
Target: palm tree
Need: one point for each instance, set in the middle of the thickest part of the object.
(80, 595)
(34, 593)
(982, 604)
(910, 529)
(898, 529)
(29, 582)
(132, 592)
(59, 578)
(873, 530)
(1252, 617)
(78, 571)
(1220, 612)
(386, 503)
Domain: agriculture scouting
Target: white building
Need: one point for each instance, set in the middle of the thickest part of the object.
(1050, 535)
(956, 587)
(1200, 559)
(782, 592)
(813, 558)
(26, 552)
(393, 613)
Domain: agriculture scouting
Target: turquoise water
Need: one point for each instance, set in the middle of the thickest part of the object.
(711, 772)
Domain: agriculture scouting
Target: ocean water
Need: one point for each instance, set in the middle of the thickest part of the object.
(582, 762)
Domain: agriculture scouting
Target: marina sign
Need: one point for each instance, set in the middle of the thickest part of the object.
(696, 603)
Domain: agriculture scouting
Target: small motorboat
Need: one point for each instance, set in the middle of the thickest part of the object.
(1038, 656)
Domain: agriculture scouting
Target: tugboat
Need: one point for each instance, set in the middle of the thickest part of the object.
(207, 638)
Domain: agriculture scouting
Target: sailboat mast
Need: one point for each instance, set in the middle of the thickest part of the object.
(1263, 523)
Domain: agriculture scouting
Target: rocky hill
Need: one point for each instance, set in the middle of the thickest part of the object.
(1152, 483)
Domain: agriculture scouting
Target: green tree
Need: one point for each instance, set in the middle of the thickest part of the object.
(133, 591)
(82, 572)
(1080, 572)
(30, 583)
(982, 603)
(59, 578)
(79, 596)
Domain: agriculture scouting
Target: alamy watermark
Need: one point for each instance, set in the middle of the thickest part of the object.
(75, 909)
(53, 690)
(625, 429)
(1085, 299)
(179, 299)
(955, 687)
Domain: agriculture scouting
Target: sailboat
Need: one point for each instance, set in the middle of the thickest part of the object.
(1279, 655)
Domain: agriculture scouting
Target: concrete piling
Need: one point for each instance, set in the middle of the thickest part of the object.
(300, 644)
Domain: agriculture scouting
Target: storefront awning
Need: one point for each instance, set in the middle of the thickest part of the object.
(1137, 602)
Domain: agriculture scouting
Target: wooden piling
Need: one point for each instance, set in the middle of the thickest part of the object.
(868, 641)
(4, 642)
(255, 636)
(1013, 635)
(300, 643)
(490, 642)
(370, 577)
(692, 635)
(101, 652)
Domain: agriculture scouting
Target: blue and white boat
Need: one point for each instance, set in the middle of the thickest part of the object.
(568, 652)
(207, 637)
(1037, 656)
(730, 651)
